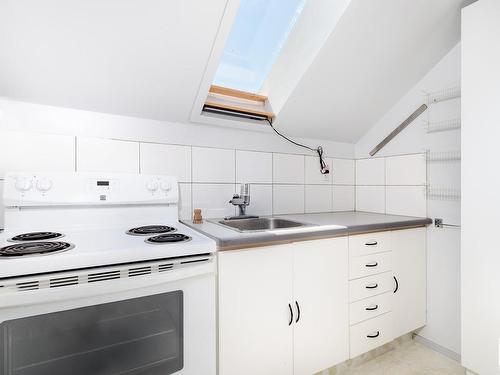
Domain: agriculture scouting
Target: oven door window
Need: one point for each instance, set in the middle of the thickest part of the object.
(137, 336)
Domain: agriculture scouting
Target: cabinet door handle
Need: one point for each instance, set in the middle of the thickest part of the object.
(371, 243)
(397, 284)
(374, 264)
(374, 335)
(372, 286)
(371, 308)
(291, 314)
(298, 312)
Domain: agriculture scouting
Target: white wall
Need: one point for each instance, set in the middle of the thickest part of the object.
(208, 161)
(481, 186)
(443, 295)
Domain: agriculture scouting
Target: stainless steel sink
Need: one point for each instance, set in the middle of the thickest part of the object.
(260, 224)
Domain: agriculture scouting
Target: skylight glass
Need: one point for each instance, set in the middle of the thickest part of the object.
(258, 34)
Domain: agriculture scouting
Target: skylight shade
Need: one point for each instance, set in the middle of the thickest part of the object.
(258, 34)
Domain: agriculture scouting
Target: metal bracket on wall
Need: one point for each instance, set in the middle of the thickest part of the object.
(399, 129)
(438, 223)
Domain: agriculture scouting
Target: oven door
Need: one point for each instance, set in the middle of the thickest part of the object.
(158, 323)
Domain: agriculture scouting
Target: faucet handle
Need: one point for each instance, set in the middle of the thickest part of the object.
(245, 190)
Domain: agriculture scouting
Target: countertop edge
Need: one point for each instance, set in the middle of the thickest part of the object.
(271, 240)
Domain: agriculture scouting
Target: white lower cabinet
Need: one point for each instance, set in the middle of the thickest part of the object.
(410, 276)
(387, 287)
(299, 308)
(284, 309)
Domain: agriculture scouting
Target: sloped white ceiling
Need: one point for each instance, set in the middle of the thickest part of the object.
(142, 58)
(376, 53)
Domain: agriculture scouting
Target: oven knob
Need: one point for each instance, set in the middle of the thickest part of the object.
(44, 184)
(23, 184)
(166, 186)
(152, 185)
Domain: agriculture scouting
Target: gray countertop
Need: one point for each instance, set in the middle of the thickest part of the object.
(323, 226)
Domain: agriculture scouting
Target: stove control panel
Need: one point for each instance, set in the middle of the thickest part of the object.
(45, 189)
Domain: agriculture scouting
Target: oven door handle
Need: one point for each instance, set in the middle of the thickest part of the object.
(106, 289)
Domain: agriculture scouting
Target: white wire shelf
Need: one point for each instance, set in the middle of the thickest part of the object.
(440, 156)
(440, 126)
(442, 95)
(443, 193)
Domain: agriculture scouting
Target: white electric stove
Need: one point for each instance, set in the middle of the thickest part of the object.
(103, 257)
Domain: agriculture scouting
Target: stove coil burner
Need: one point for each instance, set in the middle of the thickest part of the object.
(150, 229)
(35, 236)
(34, 248)
(168, 238)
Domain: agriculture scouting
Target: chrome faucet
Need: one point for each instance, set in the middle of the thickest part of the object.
(242, 200)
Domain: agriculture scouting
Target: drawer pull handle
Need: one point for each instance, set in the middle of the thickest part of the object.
(291, 315)
(372, 243)
(372, 286)
(397, 284)
(371, 308)
(298, 312)
(373, 335)
(374, 264)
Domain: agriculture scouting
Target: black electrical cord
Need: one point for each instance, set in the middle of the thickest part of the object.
(323, 167)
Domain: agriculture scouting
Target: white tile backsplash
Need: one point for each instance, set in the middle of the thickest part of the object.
(344, 198)
(107, 155)
(185, 199)
(36, 152)
(254, 167)
(370, 198)
(318, 198)
(261, 200)
(169, 160)
(370, 171)
(406, 170)
(288, 199)
(213, 199)
(313, 173)
(288, 169)
(213, 165)
(406, 200)
(343, 171)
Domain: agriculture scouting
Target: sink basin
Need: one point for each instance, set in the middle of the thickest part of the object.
(260, 224)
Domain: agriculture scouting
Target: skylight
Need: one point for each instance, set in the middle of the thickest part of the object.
(258, 34)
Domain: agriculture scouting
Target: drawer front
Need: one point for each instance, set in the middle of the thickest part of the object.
(369, 243)
(371, 334)
(370, 307)
(371, 286)
(371, 264)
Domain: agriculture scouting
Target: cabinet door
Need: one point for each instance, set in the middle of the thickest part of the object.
(321, 334)
(409, 267)
(255, 289)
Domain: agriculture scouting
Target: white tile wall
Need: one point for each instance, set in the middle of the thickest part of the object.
(166, 159)
(261, 200)
(38, 152)
(318, 198)
(343, 171)
(406, 170)
(370, 171)
(370, 198)
(254, 167)
(185, 199)
(288, 169)
(107, 155)
(406, 200)
(213, 165)
(313, 174)
(288, 199)
(213, 199)
(344, 198)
